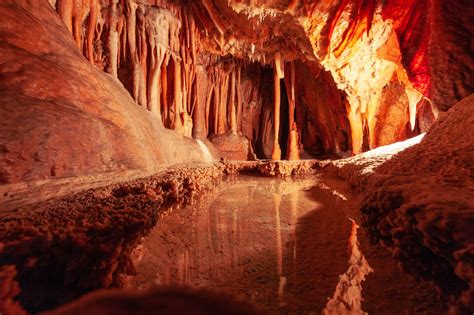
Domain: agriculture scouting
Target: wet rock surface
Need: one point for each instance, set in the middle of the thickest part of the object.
(65, 247)
(419, 202)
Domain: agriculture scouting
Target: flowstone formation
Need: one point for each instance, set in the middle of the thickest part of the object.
(99, 97)
(383, 66)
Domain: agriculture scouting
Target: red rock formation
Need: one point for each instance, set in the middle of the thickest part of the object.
(63, 118)
(359, 74)
(362, 43)
(420, 204)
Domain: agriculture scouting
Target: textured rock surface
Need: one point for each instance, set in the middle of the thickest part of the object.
(358, 169)
(166, 300)
(233, 147)
(421, 203)
(60, 116)
(9, 289)
(65, 247)
(419, 200)
(383, 58)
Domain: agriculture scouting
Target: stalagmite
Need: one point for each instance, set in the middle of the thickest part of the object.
(141, 37)
(92, 163)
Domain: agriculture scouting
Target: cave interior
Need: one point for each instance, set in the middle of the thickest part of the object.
(135, 131)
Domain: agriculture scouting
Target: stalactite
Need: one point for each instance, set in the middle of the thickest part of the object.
(221, 127)
(65, 8)
(357, 130)
(239, 99)
(155, 82)
(413, 96)
(361, 21)
(184, 77)
(293, 136)
(113, 41)
(199, 109)
(124, 38)
(188, 74)
(142, 59)
(94, 10)
(78, 14)
(215, 16)
(216, 109)
(233, 114)
(132, 48)
(276, 153)
(178, 99)
(164, 91)
(279, 66)
(193, 31)
(209, 97)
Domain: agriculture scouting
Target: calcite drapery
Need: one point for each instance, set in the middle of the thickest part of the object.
(363, 44)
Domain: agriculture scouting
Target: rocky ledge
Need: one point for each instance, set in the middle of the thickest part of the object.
(420, 202)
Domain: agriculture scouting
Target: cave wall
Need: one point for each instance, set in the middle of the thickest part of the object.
(420, 204)
(61, 117)
(395, 52)
(388, 69)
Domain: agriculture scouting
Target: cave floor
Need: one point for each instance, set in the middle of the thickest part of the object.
(280, 243)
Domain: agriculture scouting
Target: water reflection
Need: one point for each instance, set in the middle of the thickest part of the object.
(250, 238)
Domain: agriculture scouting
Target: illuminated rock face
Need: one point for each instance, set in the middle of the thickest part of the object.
(93, 87)
(420, 204)
(60, 116)
(183, 62)
(351, 75)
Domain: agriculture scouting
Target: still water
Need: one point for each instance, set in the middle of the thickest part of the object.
(281, 243)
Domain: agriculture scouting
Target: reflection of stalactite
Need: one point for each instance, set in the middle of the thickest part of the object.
(294, 198)
(279, 245)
